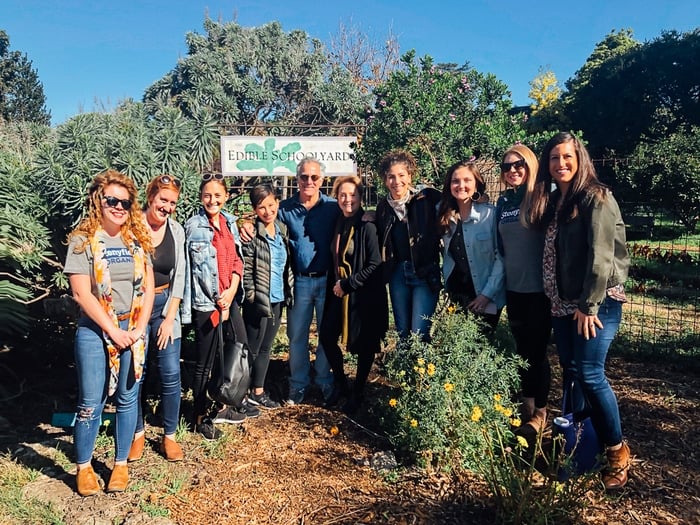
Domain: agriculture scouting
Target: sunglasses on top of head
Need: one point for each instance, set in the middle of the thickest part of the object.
(505, 166)
(112, 202)
(167, 180)
(212, 176)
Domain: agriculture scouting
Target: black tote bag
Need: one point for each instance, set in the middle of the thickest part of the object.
(230, 385)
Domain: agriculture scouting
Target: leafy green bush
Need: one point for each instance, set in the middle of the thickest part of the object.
(447, 391)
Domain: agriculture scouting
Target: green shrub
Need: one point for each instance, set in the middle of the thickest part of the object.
(447, 391)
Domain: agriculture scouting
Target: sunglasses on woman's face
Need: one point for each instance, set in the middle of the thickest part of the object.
(167, 180)
(505, 166)
(112, 202)
(212, 176)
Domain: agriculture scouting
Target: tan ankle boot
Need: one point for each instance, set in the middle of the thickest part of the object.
(538, 421)
(136, 450)
(615, 474)
(86, 482)
(171, 450)
(119, 479)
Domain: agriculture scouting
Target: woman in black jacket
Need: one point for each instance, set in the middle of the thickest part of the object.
(410, 243)
(268, 282)
(356, 306)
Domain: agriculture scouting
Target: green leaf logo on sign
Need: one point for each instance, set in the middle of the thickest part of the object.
(268, 158)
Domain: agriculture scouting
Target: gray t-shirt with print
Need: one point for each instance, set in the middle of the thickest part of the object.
(121, 268)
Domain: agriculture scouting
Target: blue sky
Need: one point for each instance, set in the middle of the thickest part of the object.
(92, 54)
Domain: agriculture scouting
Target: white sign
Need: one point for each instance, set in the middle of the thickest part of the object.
(245, 155)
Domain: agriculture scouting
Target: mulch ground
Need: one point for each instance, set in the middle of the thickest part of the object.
(289, 466)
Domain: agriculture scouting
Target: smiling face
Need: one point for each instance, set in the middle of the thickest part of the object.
(267, 209)
(349, 199)
(563, 164)
(213, 198)
(114, 217)
(309, 181)
(517, 173)
(161, 206)
(462, 184)
(398, 180)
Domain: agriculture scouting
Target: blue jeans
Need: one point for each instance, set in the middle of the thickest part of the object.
(168, 362)
(309, 295)
(93, 381)
(584, 362)
(412, 301)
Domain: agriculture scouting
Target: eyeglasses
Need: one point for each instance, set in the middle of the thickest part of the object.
(212, 176)
(112, 202)
(167, 180)
(505, 166)
(306, 178)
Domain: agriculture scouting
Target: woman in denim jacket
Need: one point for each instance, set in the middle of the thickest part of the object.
(213, 296)
(472, 266)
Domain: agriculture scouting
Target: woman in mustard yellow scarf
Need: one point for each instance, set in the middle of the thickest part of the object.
(356, 308)
(111, 277)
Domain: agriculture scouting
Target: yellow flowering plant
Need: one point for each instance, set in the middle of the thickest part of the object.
(444, 392)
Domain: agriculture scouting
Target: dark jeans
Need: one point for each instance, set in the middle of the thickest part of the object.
(531, 324)
(261, 332)
(584, 360)
(168, 365)
(207, 343)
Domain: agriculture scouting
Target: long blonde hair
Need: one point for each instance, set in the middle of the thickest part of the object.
(135, 226)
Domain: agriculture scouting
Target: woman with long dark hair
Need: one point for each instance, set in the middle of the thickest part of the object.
(472, 266)
(585, 266)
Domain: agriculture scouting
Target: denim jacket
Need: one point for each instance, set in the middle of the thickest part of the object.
(485, 261)
(202, 283)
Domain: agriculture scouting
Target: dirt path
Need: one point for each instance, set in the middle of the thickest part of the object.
(290, 467)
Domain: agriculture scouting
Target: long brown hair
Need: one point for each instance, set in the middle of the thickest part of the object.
(585, 182)
(135, 226)
(448, 204)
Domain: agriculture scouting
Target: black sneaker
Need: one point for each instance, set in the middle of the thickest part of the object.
(229, 415)
(248, 409)
(207, 429)
(262, 400)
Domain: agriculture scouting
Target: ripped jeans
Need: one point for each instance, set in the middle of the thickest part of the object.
(93, 382)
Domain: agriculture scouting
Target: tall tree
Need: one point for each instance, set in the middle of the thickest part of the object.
(442, 114)
(625, 88)
(21, 93)
(248, 76)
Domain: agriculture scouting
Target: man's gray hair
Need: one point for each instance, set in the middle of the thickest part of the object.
(309, 160)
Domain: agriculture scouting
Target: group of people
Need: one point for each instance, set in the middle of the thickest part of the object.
(551, 251)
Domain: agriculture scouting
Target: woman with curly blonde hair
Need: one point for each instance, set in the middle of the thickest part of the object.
(111, 278)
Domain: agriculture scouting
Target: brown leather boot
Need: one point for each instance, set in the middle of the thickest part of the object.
(615, 474)
(119, 479)
(86, 482)
(171, 450)
(538, 421)
(136, 450)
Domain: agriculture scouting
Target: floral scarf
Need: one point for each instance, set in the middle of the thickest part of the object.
(104, 295)
(399, 206)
